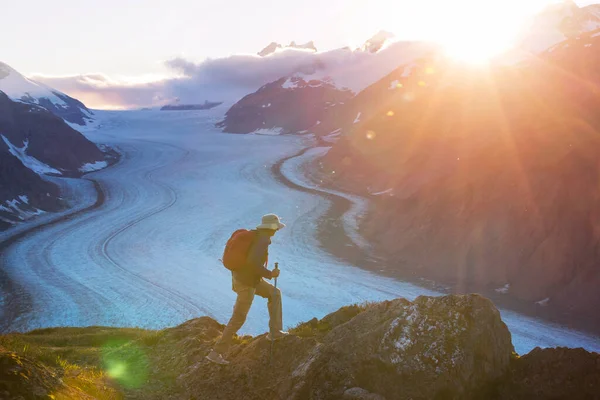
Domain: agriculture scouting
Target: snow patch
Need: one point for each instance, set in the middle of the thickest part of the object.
(18, 208)
(544, 302)
(357, 119)
(504, 289)
(388, 191)
(30, 162)
(289, 84)
(408, 70)
(394, 84)
(268, 132)
(332, 136)
(95, 166)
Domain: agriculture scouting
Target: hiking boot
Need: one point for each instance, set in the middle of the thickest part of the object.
(276, 336)
(216, 358)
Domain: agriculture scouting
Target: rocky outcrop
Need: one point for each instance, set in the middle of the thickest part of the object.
(455, 344)
(288, 105)
(552, 374)
(485, 179)
(448, 346)
(452, 347)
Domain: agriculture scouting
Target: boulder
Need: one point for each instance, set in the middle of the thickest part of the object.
(445, 347)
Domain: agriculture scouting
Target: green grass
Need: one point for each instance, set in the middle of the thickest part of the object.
(319, 328)
(95, 360)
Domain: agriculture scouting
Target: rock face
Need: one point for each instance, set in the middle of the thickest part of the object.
(34, 142)
(288, 104)
(447, 346)
(553, 374)
(452, 347)
(483, 180)
(431, 348)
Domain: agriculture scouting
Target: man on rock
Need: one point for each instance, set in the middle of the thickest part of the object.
(248, 280)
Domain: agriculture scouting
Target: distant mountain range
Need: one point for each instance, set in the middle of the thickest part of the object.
(357, 69)
(207, 105)
(274, 46)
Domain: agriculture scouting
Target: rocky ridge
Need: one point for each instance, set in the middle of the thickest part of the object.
(452, 347)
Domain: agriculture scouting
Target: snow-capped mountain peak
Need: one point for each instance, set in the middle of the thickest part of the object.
(20, 88)
(274, 46)
(374, 44)
(558, 22)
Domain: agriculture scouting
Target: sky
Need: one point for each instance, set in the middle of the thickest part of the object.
(136, 41)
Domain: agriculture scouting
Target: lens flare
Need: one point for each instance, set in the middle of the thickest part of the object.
(125, 362)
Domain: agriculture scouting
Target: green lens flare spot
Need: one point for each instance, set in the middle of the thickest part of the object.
(125, 362)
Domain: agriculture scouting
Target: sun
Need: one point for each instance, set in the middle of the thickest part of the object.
(476, 50)
(478, 40)
(473, 31)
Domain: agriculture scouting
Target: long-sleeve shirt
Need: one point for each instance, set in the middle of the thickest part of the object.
(257, 258)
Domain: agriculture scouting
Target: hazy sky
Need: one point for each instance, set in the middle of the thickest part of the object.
(128, 38)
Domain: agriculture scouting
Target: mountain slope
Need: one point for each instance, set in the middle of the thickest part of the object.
(19, 88)
(34, 142)
(299, 101)
(289, 105)
(486, 179)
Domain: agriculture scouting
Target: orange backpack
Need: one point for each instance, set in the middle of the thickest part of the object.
(235, 256)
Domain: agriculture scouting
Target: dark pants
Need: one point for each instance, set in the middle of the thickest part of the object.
(245, 297)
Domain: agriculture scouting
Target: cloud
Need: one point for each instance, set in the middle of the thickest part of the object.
(230, 78)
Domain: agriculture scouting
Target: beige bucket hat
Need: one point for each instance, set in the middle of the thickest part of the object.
(271, 221)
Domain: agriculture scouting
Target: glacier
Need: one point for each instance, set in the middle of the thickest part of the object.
(147, 254)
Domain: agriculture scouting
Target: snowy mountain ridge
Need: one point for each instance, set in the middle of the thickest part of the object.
(274, 46)
(557, 23)
(20, 88)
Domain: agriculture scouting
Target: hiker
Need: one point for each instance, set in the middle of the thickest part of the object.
(246, 255)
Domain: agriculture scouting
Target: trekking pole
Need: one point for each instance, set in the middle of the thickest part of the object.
(272, 337)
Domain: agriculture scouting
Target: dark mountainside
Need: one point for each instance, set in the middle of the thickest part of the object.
(453, 347)
(293, 104)
(48, 139)
(75, 112)
(485, 179)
